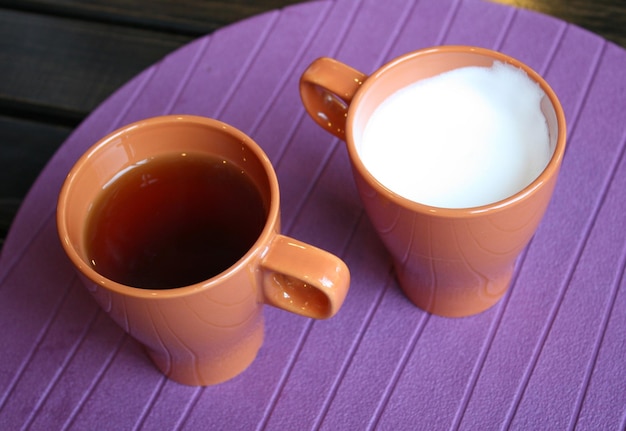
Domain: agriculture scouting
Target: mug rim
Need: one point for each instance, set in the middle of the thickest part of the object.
(444, 212)
(272, 221)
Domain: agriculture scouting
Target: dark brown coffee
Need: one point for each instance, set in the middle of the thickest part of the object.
(173, 221)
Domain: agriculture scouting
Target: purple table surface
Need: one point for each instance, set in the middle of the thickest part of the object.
(550, 355)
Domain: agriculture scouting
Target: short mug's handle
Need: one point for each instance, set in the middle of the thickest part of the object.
(303, 279)
(327, 87)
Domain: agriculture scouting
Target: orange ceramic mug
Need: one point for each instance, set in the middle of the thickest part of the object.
(449, 261)
(208, 331)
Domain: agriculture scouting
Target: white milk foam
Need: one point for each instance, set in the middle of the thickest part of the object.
(465, 138)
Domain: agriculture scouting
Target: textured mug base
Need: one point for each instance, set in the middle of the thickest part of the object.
(193, 370)
(456, 301)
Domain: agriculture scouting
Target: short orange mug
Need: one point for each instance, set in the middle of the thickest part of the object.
(210, 331)
(449, 261)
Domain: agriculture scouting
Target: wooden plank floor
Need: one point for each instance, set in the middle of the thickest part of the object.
(60, 58)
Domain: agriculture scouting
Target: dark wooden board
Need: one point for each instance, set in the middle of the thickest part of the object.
(193, 17)
(69, 66)
(25, 148)
(196, 17)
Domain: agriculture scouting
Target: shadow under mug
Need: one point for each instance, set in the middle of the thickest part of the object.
(450, 262)
(210, 331)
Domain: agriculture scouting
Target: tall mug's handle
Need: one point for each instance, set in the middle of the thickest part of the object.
(303, 279)
(327, 87)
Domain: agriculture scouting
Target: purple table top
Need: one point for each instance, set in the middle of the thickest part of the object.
(550, 355)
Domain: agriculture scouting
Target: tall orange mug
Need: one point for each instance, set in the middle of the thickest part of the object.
(449, 261)
(210, 331)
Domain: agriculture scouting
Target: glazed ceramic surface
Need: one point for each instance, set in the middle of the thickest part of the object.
(207, 332)
(451, 262)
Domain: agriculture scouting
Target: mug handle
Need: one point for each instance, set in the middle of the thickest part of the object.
(327, 87)
(303, 279)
